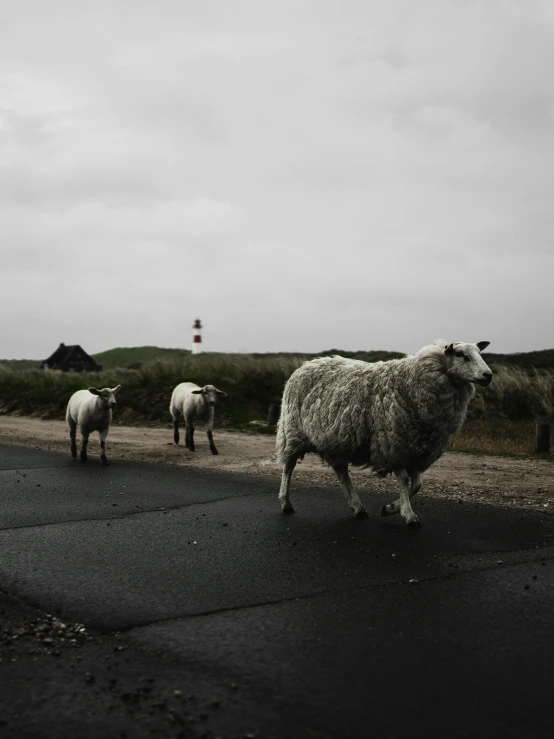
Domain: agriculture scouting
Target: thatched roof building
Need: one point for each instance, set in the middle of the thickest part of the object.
(71, 359)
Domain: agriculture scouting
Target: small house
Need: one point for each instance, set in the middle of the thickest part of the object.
(70, 359)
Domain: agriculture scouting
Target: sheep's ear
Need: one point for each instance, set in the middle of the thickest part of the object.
(449, 349)
(482, 345)
(197, 392)
(115, 390)
(220, 392)
(94, 391)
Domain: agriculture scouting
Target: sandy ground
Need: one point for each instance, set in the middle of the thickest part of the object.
(506, 481)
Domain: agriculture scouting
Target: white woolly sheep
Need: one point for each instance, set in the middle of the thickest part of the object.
(194, 403)
(397, 416)
(91, 410)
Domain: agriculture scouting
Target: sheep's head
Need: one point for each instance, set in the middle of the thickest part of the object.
(106, 395)
(464, 363)
(210, 393)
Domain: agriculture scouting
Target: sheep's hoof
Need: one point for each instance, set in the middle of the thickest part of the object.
(214, 451)
(287, 509)
(361, 514)
(104, 461)
(84, 457)
(385, 511)
(414, 524)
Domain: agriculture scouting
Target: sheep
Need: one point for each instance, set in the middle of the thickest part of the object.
(91, 410)
(396, 416)
(194, 403)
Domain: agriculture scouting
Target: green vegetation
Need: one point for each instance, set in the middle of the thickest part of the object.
(19, 364)
(487, 436)
(129, 356)
(251, 382)
(526, 360)
(137, 356)
(501, 417)
(517, 394)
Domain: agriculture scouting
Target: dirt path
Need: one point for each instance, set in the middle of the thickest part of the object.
(506, 481)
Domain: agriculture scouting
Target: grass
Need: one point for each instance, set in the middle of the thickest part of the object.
(542, 359)
(137, 356)
(251, 383)
(19, 364)
(516, 394)
(498, 436)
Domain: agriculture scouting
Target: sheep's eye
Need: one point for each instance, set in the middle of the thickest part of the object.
(461, 354)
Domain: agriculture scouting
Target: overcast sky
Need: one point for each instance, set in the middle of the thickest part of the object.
(301, 175)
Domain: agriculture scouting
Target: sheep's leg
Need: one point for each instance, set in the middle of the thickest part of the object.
(73, 438)
(352, 498)
(189, 434)
(402, 478)
(84, 443)
(288, 469)
(103, 435)
(176, 428)
(415, 485)
(211, 440)
(209, 427)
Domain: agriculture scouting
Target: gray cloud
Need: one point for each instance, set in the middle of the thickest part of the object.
(300, 175)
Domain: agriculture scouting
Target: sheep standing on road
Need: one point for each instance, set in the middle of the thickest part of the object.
(91, 410)
(397, 416)
(194, 403)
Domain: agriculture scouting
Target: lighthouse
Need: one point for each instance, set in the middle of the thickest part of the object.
(197, 337)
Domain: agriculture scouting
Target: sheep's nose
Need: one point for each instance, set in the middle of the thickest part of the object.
(487, 378)
(212, 403)
(112, 403)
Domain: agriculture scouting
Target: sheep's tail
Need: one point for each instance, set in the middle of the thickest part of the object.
(286, 443)
(290, 443)
(281, 442)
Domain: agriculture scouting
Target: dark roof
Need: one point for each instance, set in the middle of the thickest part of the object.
(70, 357)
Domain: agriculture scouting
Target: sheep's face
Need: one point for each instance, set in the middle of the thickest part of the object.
(106, 395)
(464, 363)
(210, 393)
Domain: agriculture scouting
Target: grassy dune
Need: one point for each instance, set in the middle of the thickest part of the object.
(137, 355)
(251, 383)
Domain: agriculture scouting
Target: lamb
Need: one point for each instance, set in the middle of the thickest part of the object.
(396, 416)
(91, 410)
(194, 403)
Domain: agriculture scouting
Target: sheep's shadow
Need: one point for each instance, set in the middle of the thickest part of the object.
(448, 529)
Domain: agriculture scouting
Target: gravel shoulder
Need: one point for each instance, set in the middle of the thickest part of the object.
(521, 482)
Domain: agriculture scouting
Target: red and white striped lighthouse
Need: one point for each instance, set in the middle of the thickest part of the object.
(197, 337)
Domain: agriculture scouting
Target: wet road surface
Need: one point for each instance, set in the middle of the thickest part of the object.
(211, 614)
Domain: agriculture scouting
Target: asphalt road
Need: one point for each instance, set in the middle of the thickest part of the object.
(212, 615)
